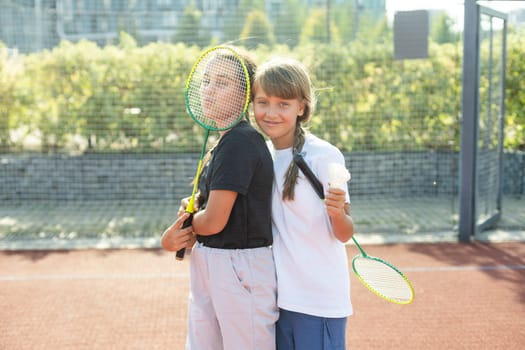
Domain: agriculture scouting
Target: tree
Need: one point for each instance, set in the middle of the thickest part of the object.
(515, 92)
(441, 31)
(287, 23)
(382, 32)
(9, 71)
(234, 23)
(126, 41)
(257, 30)
(344, 16)
(315, 28)
(189, 31)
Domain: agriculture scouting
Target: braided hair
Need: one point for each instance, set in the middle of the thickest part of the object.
(288, 78)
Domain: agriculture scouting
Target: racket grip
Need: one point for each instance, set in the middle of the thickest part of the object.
(310, 176)
(181, 252)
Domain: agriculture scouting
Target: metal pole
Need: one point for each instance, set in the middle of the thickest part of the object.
(502, 117)
(469, 127)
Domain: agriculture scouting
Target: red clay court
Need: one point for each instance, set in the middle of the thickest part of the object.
(468, 296)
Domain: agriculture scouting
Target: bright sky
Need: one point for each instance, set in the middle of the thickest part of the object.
(453, 7)
(449, 5)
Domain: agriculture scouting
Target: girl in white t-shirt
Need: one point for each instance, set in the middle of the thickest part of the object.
(313, 282)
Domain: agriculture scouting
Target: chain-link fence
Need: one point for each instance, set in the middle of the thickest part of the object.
(96, 141)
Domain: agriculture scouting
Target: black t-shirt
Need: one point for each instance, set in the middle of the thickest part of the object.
(242, 163)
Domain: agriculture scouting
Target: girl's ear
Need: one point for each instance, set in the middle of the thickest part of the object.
(300, 112)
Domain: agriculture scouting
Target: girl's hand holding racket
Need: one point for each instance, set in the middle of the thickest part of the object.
(217, 97)
(184, 205)
(177, 237)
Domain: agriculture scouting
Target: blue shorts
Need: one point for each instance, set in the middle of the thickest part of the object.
(296, 331)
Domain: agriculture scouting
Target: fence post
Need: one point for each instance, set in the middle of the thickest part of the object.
(469, 125)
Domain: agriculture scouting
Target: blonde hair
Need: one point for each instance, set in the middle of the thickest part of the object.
(288, 78)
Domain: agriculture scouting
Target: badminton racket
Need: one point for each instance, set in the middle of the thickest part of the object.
(217, 95)
(379, 276)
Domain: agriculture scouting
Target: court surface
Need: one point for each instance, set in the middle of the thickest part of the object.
(468, 296)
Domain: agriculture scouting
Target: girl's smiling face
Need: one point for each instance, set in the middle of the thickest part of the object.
(277, 117)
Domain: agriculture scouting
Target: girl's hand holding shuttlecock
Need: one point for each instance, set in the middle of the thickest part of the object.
(338, 175)
(335, 195)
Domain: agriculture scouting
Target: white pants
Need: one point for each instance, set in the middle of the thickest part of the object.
(233, 299)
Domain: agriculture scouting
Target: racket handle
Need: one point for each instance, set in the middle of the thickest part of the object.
(310, 176)
(180, 253)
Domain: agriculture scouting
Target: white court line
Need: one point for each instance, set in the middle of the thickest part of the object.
(131, 276)
(463, 268)
(135, 276)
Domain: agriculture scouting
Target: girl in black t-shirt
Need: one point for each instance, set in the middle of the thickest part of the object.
(233, 282)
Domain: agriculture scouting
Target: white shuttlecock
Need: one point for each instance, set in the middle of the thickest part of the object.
(338, 175)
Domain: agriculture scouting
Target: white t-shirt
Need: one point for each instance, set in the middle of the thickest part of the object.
(312, 266)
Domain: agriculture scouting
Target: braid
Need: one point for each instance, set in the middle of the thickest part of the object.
(292, 172)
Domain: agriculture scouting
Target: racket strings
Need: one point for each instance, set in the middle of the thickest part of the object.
(382, 279)
(218, 90)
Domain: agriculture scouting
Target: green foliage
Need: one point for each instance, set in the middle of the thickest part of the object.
(515, 92)
(257, 30)
(344, 16)
(382, 32)
(234, 21)
(159, 120)
(60, 86)
(288, 23)
(441, 30)
(111, 98)
(314, 30)
(126, 98)
(10, 73)
(189, 31)
(368, 28)
(388, 105)
(126, 41)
